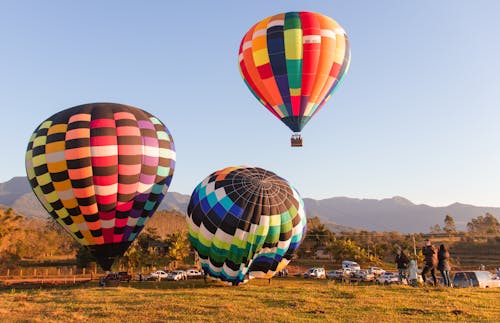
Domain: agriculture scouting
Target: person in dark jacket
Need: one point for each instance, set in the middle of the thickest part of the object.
(431, 260)
(402, 262)
(444, 264)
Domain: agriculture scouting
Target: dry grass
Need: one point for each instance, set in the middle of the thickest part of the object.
(285, 300)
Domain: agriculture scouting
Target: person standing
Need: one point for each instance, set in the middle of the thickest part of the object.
(431, 261)
(444, 264)
(402, 262)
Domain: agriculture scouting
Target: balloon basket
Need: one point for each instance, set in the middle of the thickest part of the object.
(296, 140)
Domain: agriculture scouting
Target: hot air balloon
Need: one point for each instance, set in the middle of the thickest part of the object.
(101, 170)
(292, 63)
(245, 222)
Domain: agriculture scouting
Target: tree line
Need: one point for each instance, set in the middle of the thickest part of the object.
(164, 241)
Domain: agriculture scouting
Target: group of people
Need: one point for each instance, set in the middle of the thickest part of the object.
(434, 258)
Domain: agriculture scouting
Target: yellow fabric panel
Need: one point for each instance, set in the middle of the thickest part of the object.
(38, 160)
(31, 173)
(45, 125)
(261, 57)
(275, 220)
(293, 43)
(73, 227)
(62, 213)
(39, 141)
(44, 179)
(52, 197)
(33, 136)
(295, 92)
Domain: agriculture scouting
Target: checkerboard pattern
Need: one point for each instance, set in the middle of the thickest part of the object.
(293, 62)
(101, 170)
(245, 220)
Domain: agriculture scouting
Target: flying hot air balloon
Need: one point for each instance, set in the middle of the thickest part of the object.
(292, 63)
(245, 222)
(101, 170)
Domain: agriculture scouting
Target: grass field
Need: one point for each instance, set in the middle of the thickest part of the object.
(284, 300)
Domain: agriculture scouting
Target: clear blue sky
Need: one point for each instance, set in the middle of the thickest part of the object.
(418, 114)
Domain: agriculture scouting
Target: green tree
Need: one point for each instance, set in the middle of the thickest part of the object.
(320, 234)
(487, 224)
(449, 225)
(83, 257)
(177, 247)
(10, 222)
(436, 229)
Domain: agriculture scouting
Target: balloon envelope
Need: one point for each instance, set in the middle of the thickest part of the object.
(101, 170)
(293, 62)
(245, 218)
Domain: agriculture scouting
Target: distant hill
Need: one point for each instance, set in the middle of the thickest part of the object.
(391, 214)
(338, 213)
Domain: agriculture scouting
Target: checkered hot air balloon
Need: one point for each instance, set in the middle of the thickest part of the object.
(101, 170)
(292, 63)
(245, 222)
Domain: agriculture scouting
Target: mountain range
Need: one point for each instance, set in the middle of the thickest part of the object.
(338, 213)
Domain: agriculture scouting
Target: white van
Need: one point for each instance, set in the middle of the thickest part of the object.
(353, 266)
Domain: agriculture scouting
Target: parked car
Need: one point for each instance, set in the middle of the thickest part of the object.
(388, 278)
(159, 274)
(347, 264)
(315, 273)
(477, 278)
(376, 271)
(364, 275)
(119, 276)
(124, 276)
(177, 275)
(335, 274)
(194, 273)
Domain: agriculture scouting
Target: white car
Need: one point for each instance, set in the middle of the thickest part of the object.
(159, 274)
(315, 273)
(339, 274)
(347, 264)
(388, 278)
(364, 275)
(194, 273)
(177, 275)
(476, 278)
(376, 271)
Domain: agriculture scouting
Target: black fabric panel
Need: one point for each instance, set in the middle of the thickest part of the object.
(82, 183)
(77, 143)
(105, 171)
